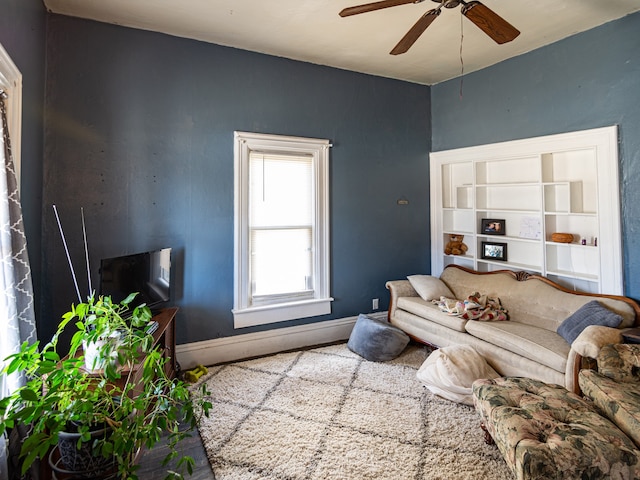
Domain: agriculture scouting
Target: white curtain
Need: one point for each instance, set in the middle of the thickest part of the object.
(17, 315)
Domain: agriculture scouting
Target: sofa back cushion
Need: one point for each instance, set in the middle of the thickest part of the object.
(531, 301)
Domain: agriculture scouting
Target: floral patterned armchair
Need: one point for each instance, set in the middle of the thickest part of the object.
(546, 432)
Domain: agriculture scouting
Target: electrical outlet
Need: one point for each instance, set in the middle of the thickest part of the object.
(374, 303)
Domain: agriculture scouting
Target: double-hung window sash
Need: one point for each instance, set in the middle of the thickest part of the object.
(281, 226)
(281, 232)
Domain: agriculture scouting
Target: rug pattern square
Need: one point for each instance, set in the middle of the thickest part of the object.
(306, 399)
(327, 413)
(277, 442)
(323, 368)
(381, 415)
(367, 456)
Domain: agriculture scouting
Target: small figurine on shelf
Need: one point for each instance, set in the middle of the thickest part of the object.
(455, 245)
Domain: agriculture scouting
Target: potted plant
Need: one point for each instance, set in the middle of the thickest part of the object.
(120, 403)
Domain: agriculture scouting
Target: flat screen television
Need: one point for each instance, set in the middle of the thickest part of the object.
(148, 273)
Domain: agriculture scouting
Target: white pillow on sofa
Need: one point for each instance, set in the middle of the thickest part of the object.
(429, 288)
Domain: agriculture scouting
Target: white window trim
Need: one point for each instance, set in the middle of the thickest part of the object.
(11, 82)
(244, 314)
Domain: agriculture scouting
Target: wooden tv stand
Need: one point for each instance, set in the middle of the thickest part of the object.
(165, 337)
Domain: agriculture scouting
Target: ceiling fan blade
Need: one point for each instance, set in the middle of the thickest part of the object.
(418, 29)
(490, 22)
(370, 7)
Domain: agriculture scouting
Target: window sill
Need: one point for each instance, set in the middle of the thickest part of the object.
(263, 315)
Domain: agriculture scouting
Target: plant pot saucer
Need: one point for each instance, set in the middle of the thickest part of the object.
(105, 472)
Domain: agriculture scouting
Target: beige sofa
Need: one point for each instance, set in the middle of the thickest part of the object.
(527, 344)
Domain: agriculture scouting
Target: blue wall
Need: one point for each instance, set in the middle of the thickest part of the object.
(139, 132)
(586, 81)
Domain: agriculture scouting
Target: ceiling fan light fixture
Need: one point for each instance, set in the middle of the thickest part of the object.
(449, 3)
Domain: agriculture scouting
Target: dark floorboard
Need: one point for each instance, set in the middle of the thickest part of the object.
(151, 460)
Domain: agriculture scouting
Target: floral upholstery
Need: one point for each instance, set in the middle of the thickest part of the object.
(546, 432)
(615, 387)
(620, 362)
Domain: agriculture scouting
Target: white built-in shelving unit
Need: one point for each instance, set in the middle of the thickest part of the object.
(564, 183)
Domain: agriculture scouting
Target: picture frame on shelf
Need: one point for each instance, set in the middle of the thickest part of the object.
(494, 251)
(492, 226)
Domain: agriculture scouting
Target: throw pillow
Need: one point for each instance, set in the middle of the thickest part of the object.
(592, 313)
(375, 340)
(450, 372)
(429, 288)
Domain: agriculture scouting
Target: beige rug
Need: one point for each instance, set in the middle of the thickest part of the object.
(327, 413)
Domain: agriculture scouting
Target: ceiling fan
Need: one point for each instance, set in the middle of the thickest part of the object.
(482, 16)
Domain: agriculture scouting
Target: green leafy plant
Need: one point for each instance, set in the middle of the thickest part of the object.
(135, 410)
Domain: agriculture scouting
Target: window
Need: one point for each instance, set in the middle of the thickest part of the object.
(11, 83)
(281, 228)
(10, 315)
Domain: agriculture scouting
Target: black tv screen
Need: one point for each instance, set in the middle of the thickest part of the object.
(148, 273)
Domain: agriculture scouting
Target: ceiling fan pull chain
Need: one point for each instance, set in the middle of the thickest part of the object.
(461, 60)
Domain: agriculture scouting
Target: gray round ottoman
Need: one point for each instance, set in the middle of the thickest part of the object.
(376, 340)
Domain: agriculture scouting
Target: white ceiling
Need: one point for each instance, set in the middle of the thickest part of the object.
(312, 31)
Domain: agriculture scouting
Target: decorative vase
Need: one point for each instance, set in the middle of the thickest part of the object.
(92, 360)
(93, 352)
(82, 462)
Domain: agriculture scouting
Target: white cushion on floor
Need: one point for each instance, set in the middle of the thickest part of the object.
(450, 372)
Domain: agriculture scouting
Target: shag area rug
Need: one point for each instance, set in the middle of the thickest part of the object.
(326, 413)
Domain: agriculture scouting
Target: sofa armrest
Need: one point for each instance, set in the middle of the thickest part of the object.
(593, 338)
(584, 351)
(397, 289)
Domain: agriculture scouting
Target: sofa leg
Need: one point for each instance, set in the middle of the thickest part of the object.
(488, 439)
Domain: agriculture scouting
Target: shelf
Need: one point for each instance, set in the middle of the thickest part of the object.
(569, 165)
(512, 197)
(507, 184)
(576, 284)
(513, 170)
(572, 244)
(465, 257)
(512, 265)
(507, 210)
(464, 196)
(503, 238)
(564, 183)
(458, 232)
(571, 214)
(454, 221)
(468, 262)
(577, 276)
(458, 183)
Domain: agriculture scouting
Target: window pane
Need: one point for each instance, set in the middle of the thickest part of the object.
(280, 190)
(280, 261)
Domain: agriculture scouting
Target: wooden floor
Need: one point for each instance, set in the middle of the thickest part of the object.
(151, 461)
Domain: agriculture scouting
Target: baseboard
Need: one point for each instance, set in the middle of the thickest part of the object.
(229, 349)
